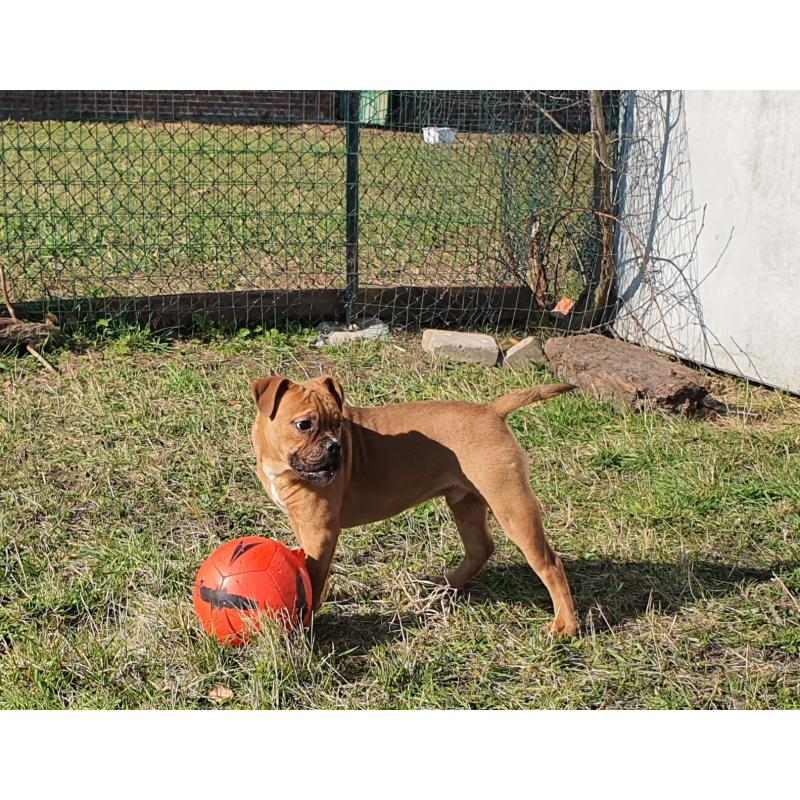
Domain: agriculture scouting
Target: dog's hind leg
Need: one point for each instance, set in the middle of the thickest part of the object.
(469, 512)
(521, 519)
(516, 508)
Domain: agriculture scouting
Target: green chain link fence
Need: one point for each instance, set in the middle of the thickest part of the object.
(421, 207)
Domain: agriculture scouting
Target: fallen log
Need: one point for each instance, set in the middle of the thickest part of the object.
(18, 335)
(626, 374)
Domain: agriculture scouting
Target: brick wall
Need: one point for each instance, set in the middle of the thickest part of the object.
(492, 111)
(200, 106)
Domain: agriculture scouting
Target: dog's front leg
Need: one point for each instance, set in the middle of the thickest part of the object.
(317, 535)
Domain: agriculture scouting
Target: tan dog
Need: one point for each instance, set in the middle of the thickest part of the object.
(330, 466)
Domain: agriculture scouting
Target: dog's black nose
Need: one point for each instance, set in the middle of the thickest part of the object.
(333, 448)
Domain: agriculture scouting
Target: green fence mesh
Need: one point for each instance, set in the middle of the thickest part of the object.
(463, 206)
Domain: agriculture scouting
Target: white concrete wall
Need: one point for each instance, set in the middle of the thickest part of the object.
(711, 206)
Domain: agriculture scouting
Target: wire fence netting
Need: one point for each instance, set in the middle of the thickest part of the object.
(485, 207)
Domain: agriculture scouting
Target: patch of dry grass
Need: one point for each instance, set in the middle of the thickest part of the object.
(680, 540)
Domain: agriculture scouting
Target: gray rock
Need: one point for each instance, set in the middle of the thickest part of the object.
(370, 329)
(471, 348)
(523, 354)
(328, 327)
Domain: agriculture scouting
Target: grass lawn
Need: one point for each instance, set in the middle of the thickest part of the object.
(149, 208)
(681, 541)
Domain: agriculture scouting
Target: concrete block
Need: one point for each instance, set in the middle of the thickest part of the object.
(471, 348)
(523, 354)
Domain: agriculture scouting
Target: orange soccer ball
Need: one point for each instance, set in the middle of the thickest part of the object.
(246, 577)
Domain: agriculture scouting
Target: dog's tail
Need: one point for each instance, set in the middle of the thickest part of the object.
(511, 402)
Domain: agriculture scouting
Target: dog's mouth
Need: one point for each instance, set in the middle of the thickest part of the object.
(318, 474)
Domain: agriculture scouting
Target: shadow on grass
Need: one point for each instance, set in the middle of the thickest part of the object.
(609, 593)
(353, 635)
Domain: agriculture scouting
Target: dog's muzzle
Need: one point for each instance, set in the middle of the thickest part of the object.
(323, 471)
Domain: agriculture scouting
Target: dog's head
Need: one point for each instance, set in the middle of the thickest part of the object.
(301, 424)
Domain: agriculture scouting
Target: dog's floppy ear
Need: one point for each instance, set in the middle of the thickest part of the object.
(334, 387)
(267, 393)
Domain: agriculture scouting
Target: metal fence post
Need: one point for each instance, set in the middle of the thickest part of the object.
(351, 109)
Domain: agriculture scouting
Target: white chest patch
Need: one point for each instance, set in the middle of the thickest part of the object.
(270, 475)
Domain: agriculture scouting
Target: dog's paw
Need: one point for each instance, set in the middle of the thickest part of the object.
(562, 627)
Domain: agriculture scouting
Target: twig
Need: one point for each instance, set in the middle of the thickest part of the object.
(29, 347)
(42, 360)
(786, 590)
(6, 298)
(537, 277)
(561, 129)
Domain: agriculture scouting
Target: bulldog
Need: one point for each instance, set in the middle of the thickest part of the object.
(330, 466)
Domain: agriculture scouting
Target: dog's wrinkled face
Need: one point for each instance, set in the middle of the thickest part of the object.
(302, 423)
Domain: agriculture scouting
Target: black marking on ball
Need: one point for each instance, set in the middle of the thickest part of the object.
(219, 598)
(300, 601)
(241, 549)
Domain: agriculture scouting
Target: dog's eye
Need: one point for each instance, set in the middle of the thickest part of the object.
(303, 424)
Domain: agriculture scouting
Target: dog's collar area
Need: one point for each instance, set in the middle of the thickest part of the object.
(270, 474)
